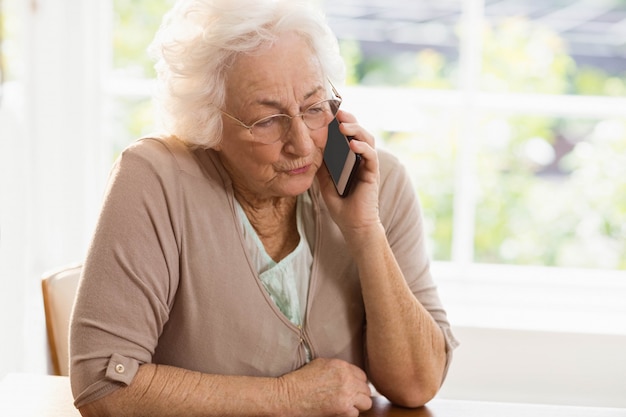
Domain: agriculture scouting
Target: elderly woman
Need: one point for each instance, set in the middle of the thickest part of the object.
(226, 275)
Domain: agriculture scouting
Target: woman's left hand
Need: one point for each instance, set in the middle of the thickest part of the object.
(358, 211)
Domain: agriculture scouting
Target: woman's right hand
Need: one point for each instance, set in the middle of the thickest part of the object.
(326, 387)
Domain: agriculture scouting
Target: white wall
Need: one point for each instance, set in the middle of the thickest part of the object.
(14, 185)
(536, 334)
(538, 367)
(53, 166)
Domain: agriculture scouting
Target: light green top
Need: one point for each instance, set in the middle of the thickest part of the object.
(287, 281)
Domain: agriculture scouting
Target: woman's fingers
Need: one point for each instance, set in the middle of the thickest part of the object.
(349, 126)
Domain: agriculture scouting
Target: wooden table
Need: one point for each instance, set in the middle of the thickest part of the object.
(27, 395)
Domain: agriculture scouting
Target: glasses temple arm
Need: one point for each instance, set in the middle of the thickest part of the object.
(334, 90)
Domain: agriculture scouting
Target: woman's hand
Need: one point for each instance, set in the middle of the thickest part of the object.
(359, 210)
(326, 387)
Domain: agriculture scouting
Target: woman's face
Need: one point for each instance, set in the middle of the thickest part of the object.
(284, 78)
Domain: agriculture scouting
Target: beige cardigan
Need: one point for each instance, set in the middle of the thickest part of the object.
(168, 280)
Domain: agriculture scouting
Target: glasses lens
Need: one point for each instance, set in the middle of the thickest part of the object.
(270, 129)
(321, 114)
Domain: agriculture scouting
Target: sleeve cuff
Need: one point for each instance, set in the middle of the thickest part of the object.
(120, 371)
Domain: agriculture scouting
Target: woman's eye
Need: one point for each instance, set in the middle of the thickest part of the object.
(267, 122)
(321, 107)
(318, 108)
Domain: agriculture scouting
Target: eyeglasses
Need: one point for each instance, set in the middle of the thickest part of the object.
(271, 129)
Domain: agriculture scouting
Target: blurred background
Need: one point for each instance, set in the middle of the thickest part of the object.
(510, 116)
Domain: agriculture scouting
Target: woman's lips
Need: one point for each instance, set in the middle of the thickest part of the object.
(300, 170)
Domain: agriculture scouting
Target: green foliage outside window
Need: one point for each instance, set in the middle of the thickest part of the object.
(551, 191)
(134, 26)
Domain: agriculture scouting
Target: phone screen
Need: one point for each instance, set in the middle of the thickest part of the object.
(340, 161)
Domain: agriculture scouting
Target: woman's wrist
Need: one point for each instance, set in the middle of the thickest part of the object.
(363, 240)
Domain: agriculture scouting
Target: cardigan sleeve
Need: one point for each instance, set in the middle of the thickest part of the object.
(130, 274)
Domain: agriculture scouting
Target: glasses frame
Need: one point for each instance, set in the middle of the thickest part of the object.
(337, 97)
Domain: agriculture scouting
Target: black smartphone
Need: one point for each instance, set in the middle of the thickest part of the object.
(339, 159)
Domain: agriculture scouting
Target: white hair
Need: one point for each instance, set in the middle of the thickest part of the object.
(199, 41)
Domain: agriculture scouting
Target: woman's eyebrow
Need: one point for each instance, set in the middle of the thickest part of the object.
(277, 105)
(312, 93)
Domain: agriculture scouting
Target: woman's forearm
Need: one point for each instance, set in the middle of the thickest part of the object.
(323, 387)
(162, 391)
(405, 346)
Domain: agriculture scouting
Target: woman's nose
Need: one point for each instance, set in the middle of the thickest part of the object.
(299, 140)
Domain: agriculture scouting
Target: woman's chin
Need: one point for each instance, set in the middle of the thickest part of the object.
(298, 185)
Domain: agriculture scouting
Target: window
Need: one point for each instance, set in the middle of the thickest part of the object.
(509, 115)
(508, 119)
(133, 27)
(511, 118)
